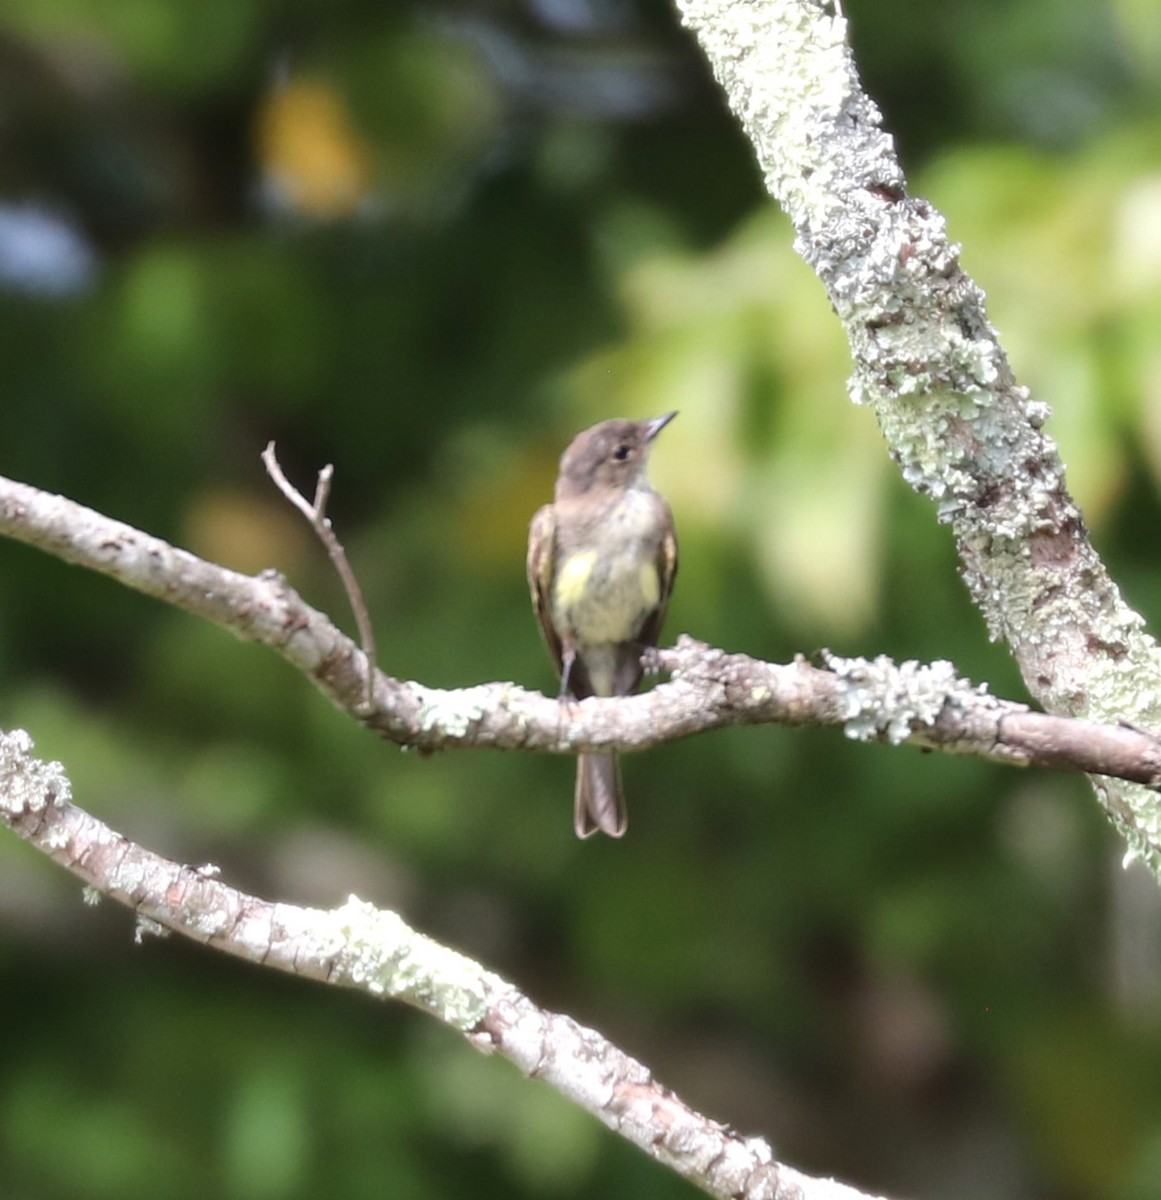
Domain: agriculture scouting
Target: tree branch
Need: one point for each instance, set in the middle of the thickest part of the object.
(962, 431)
(964, 434)
(316, 514)
(871, 700)
(375, 951)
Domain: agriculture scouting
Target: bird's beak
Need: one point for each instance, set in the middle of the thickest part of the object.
(654, 427)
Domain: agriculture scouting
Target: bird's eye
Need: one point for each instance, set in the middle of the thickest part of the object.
(621, 453)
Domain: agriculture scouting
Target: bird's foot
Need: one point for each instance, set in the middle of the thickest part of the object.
(651, 661)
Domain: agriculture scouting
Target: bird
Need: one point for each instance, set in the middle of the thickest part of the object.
(602, 558)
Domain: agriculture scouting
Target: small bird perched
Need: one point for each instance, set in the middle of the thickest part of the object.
(601, 562)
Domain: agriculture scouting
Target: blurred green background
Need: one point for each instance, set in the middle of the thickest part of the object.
(428, 242)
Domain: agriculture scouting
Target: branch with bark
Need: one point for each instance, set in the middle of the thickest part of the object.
(963, 432)
(871, 700)
(375, 951)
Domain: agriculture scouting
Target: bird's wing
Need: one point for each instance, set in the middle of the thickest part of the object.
(666, 573)
(541, 553)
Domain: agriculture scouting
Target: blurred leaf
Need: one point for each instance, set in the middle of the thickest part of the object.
(169, 45)
(548, 1143)
(268, 1136)
(316, 162)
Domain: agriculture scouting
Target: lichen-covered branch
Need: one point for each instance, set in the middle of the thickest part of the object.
(961, 429)
(872, 700)
(375, 951)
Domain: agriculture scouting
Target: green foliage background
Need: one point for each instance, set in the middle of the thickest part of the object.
(428, 242)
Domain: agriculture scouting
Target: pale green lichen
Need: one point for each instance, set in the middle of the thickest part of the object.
(131, 876)
(883, 701)
(27, 784)
(454, 713)
(148, 927)
(788, 74)
(962, 432)
(383, 954)
(57, 837)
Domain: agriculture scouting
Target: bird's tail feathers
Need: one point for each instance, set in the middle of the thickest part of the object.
(600, 802)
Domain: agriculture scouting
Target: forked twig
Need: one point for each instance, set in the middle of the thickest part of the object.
(316, 514)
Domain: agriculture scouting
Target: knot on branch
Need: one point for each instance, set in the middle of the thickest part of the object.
(704, 668)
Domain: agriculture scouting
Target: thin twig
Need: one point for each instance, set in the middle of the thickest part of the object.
(316, 514)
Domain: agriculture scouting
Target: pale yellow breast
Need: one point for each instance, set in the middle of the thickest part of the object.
(604, 590)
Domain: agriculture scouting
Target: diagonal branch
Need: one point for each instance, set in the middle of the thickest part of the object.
(961, 429)
(871, 700)
(375, 951)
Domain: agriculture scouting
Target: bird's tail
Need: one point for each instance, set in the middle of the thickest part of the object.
(600, 802)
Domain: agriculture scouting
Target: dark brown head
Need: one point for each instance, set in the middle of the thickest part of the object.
(613, 454)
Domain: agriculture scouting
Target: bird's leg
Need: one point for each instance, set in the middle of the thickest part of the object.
(567, 659)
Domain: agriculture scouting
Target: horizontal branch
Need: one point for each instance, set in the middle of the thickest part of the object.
(871, 700)
(375, 951)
